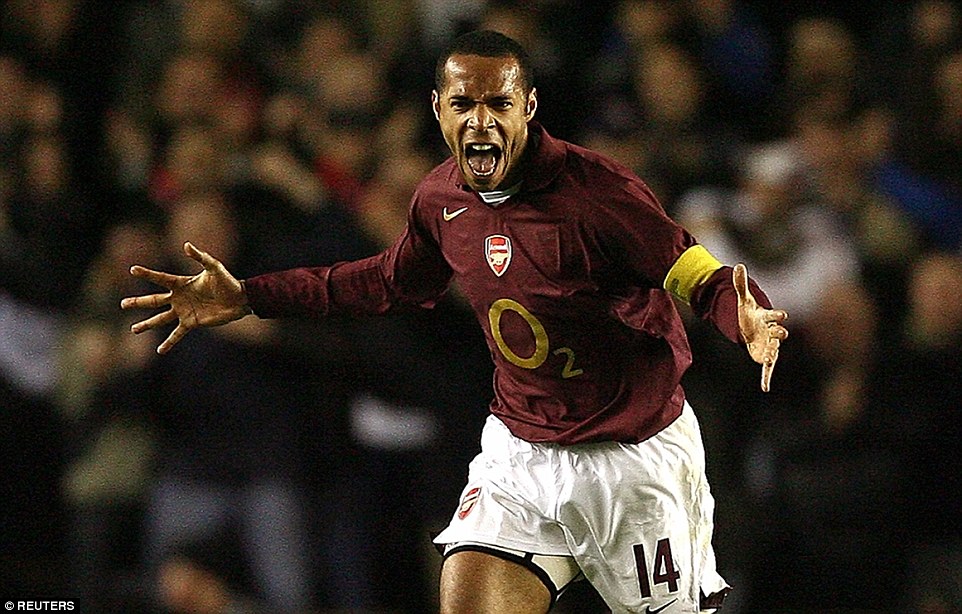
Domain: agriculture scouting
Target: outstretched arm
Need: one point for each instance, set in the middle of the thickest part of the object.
(761, 329)
(209, 298)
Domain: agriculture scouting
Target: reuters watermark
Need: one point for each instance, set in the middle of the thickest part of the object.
(39, 606)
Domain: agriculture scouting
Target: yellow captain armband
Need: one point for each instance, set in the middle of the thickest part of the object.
(693, 267)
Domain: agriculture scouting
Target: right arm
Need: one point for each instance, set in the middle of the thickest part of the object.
(412, 271)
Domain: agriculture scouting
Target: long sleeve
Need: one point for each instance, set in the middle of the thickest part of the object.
(411, 272)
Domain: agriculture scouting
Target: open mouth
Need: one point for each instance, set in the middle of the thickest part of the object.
(482, 158)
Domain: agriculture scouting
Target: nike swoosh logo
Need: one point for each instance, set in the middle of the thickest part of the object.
(450, 216)
(648, 610)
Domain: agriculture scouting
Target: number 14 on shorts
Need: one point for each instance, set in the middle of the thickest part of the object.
(662, 570)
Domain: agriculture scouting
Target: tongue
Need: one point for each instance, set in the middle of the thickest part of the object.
(482, 163)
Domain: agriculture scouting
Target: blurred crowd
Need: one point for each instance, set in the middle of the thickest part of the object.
(300, 466)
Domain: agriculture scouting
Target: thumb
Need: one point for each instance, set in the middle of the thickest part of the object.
(205, 259)
(740, 281)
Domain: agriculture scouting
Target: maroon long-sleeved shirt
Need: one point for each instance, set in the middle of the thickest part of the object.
(565, 278)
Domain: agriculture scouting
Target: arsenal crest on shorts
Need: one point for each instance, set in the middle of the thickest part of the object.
(497, 251)
(468, 501)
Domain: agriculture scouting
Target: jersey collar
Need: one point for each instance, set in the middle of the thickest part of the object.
(547, 160)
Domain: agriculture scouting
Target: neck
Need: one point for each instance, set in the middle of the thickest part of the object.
(517, 173)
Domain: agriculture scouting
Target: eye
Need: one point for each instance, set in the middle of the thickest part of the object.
(501, 105)
(460, 104)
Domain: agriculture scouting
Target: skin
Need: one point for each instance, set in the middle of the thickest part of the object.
(763, 330)
(482, 101)
(478, 583)
(210, 298)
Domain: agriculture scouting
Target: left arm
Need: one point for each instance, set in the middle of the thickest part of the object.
(640, 236)
(733, 302)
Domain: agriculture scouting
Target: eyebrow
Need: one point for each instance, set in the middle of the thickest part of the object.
(494, 98)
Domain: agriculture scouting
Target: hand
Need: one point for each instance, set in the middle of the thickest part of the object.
(761, 328)
(209, 298)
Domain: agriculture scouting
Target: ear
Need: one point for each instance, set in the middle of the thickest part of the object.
(436, 104)
(532, 105)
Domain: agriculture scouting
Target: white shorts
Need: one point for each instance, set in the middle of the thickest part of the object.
(635, 519)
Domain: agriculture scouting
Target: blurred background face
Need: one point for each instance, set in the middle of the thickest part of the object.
(13, 91)
(207, 219)
(821, 49)
(948, 88)
(933, 296)
(46, 167)
(194, 159)
(934, 23)
(484, 112)
(669, 84)
(190, 87)
(646, 20)
(323, 41)
(215, 26)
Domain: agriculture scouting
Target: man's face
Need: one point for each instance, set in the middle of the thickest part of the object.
(484, 113)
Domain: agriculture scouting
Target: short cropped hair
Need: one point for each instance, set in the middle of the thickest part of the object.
(487, 44)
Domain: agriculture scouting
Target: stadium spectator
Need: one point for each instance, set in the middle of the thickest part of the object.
(228, 464)
(105, 404)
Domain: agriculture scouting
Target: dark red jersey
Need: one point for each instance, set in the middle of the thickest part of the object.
(566, 279)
